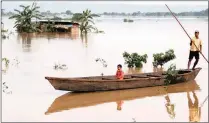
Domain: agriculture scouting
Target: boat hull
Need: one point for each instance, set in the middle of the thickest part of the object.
(107, 83)
(72, 100)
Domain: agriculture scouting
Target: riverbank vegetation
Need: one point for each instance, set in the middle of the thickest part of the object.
(137, 13)
(134, 59)
(162, 58)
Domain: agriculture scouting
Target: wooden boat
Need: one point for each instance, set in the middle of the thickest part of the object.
(73, 100)
(106, 83)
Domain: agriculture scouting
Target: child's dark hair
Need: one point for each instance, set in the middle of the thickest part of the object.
(120, 65)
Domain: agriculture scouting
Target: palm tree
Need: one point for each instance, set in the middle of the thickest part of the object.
(86, 20)
(87, 16)
(86, 27)
(23, 18)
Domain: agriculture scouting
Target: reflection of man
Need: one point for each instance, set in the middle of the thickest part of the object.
(194, 110)
(119, 105)
(170, 107)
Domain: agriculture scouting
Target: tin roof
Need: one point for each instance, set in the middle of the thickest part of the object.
(60, 22)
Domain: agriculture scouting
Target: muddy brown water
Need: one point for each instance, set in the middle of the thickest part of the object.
(32, 96)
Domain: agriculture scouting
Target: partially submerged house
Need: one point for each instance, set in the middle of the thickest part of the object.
(62, 26)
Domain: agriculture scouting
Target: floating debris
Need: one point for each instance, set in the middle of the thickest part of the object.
(5, 88)
(15, 62)
(60, 66)
(7, 61)
(104, 63)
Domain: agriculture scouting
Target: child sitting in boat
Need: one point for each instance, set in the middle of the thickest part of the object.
(119, 73)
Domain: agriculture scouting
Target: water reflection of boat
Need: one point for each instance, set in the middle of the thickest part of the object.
(77, 100)
(130, 81)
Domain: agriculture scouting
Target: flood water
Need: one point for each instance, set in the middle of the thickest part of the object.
(31, 98)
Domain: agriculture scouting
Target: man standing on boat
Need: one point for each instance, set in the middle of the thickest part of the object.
(195, 48)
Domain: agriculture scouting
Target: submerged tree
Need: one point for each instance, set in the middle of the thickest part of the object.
(86, 20)
(162, 58)
(24, 18)
(134, 59)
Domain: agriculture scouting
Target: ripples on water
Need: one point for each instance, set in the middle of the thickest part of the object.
(34, 99)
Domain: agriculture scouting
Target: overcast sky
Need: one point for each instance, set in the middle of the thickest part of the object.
(111, 6)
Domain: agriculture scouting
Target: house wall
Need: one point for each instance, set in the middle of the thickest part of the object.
(74, 29)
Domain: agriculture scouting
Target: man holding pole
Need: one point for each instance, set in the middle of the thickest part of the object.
(195, 48)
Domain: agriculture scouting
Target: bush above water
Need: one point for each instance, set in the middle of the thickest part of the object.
(161, 58)
(134, 59)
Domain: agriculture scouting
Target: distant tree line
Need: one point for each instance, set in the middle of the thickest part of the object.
(138, 13)
(200, 13)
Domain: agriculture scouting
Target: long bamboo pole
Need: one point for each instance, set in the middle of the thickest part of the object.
(204, 101)
(186, 32)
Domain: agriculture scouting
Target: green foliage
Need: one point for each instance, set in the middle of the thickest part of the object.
(68, 12)
(2, 30)
(134, 59)
(86, 20)
(6, 61)
(49, 27)
(171, 75)
(161, 58)
(86, 27)
(23, 18)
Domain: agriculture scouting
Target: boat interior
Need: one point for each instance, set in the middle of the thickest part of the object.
(130, 76)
